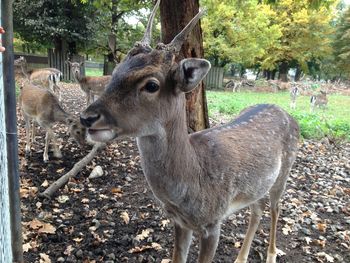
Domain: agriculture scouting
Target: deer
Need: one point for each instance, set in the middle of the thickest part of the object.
(319, 100)
(40, 105)
(92, 86)
(203, 177)
(46, 77)
(294, 93)
(233, 86)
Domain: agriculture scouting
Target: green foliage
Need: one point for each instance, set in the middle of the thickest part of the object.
(303, 24)
(95, 72)
(43, 21)
(342, 43)
(333, 122)
(268, 32)
(238, 32)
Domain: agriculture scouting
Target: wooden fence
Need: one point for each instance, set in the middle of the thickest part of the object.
(53, 60)
(215, 78)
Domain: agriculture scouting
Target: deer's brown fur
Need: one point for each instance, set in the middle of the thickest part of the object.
(42, 106)
(92, 86)
(320, 100)
(200, 179)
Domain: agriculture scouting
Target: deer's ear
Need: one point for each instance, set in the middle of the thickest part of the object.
(190, 72)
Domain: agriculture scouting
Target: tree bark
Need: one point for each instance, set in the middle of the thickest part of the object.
(283, 71)
(298, 73)
(174, 17)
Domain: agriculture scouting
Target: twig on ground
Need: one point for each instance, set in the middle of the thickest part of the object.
(73, 172)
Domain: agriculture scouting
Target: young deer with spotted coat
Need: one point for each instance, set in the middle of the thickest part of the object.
(201, 178)
(44, 77)
(41, 106)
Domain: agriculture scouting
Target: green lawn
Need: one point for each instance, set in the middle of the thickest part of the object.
(93, 72)
(334, 121)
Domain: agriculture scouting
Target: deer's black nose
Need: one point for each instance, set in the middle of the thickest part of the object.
(89, 120)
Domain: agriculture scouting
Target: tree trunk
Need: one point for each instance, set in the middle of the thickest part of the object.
(174, 17)
(283, 71)
(58, 57)
(298, 73)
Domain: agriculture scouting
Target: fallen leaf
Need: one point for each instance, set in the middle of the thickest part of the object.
(156, 246)
(45, 184)
(237, 244)
(164, 223)
(325, 255)
(78, 239)
(63, 199)
(144, 234)
(47, 228)
(44, 258)
(321, 243)
(68, 250)
(322, 227)
(35, 224)
(26, 247)
(59, 171)
(85, 200)
(125, 216)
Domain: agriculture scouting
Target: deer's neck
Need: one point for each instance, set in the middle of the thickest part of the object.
(169, 161)
(60, 115)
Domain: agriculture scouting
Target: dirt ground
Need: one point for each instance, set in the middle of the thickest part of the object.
(114, 218)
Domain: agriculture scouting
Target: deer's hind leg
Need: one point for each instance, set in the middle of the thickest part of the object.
(208, 243)
(256, 211)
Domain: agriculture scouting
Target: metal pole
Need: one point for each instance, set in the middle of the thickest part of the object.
(11, 131)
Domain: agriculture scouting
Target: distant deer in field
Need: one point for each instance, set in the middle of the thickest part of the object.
(294, 93)
(92, 86)
(319, 101)
(46, 77)
(42, 106)
(233, 86)
(201, 178)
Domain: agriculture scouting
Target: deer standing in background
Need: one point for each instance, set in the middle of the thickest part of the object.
(45, 77)
(319, 101)
(92, 86)
(42, 106)
(294, 93)
(201, 178)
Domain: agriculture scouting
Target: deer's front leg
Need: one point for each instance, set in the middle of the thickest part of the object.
(183, 238)
(208, 243)
(46, 148)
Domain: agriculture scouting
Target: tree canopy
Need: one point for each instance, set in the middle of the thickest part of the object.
(45, 21)
(269, 33)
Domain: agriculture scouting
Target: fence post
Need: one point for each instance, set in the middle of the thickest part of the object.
(5, 228)
(10, 163)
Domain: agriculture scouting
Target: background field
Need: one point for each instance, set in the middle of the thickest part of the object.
(333, 122)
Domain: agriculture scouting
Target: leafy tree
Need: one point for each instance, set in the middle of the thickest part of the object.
(50, 23)
(342, 44)
(272, 34)
(303, 23)
(238, 31)
(115, 34)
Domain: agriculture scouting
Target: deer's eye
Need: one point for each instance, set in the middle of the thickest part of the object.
(151, 87)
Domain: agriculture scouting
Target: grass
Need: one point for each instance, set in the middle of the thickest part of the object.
(333, 122)
(94, 72)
